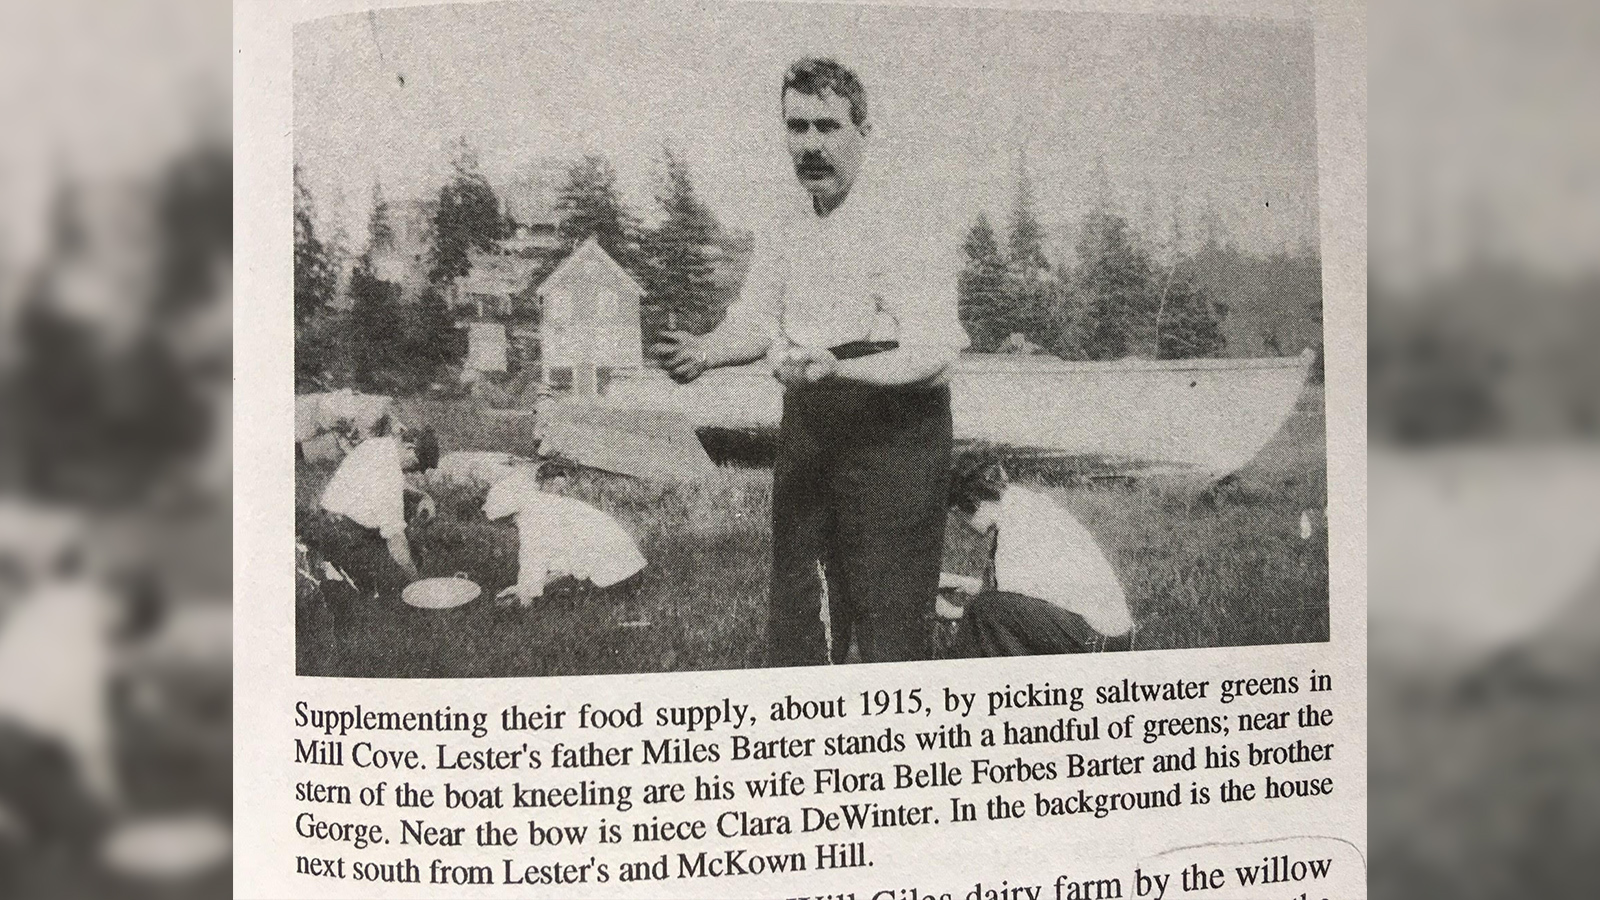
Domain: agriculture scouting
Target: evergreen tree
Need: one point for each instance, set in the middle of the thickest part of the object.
(1030, 293)
(194, 209)
(1190, 324)
(375, 334)
(433, 343)
(1118, 308)
(1025, 244)
(315, 283)
(468, 218)
(380, 228)
(590, 204)
(1038, 311)
(678, 271)
(1213, 232)
(314, 277)
(982, 288)
(1102, 192)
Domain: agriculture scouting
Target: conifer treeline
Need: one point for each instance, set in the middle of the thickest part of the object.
(1120, 296)
(1115, 301)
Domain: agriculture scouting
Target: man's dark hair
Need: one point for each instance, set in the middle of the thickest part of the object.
(426, 443)
(977, 478)
(816, 76)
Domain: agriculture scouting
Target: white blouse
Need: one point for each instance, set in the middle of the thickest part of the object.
(1046, 553)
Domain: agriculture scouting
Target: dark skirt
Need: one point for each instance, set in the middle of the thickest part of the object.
(325, 608)
(41, 786)
(361, 553)
(1000, 623)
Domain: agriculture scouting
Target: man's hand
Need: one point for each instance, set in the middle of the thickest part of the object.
(797, 366)
(682, 355)
(520, 594)
(963, 583)
(400, 552)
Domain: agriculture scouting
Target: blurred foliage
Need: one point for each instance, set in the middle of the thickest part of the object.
(315, 279)
(982, 288)
(110, 391)
(1114, 278)
(678, 273)
(468, 218)
(1188, 324)
(1493, 353)
(373, 331)
(1025, 240)
(1273, 301)
(590, 204)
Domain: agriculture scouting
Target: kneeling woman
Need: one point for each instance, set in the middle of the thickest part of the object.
(561, 537)
(1048, 587)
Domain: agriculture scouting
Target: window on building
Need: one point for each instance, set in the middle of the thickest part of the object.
(561, 378)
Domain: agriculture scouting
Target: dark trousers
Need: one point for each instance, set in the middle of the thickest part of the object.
(860, 485)
(39, 785)
(1000, 623)
(326, 609)
(362, 554)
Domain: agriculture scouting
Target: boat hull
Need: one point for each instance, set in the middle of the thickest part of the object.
(1208, 416)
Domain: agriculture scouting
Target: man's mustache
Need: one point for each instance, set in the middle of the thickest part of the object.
(813, 165)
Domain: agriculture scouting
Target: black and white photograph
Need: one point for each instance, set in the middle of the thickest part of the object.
(650, 337)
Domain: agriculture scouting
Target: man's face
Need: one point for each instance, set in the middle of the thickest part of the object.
(826, 147)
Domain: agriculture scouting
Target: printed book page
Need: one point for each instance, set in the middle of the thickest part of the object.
(798, 450)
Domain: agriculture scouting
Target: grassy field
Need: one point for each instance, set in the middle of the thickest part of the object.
(1223, 567)
(1484, 785)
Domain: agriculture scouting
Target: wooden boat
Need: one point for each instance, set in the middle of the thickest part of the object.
(1204, 416)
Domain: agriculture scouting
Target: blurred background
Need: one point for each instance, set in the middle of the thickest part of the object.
(116, 240)
(115, 471)
(1484, 464)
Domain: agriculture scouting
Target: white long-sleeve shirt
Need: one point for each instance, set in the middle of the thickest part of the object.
(879, 267)
(1046, 553)
(369, 487)
(55, 667)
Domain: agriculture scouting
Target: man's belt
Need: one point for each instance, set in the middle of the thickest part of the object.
(858, 349)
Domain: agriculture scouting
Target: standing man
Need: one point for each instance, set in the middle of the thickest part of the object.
(857, 316)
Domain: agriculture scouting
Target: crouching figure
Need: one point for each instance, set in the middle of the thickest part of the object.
(1047, 588)
(560, 536)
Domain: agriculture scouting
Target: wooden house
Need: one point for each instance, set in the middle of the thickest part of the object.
(494, 284)
(589, 321)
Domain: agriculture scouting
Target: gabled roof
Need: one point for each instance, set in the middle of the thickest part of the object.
(589, 256)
